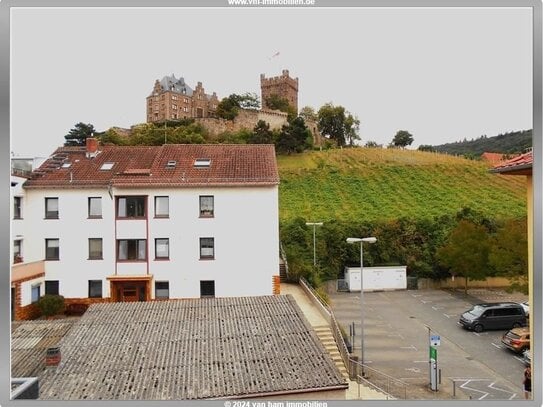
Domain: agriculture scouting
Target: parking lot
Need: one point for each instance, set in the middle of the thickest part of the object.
(396, 342)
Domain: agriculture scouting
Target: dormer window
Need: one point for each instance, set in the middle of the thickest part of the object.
(107, 166)
(202, 163)
(171, 164)
(66, 165)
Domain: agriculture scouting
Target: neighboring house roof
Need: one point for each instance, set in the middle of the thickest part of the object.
(496, 158)
(147, 166)
(29, 343)
(191, 349)
(520, 165)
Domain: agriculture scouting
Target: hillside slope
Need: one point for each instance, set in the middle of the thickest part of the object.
(368, 184)
(508, 143)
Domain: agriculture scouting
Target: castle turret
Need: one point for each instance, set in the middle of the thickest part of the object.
(283, 86)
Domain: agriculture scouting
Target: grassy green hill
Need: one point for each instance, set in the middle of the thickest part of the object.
(369, 184)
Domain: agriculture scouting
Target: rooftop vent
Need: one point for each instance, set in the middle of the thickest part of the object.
(171, 164)
(202, 163)
(107, 166)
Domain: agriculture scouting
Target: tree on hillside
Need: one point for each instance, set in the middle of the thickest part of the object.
(426, 147)
(372, 144)
(338, 124)
(295, 137)
(261, 134)
(78, 134)
(466, 252)
(402, 139)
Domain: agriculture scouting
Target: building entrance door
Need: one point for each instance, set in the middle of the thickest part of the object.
(130, 291)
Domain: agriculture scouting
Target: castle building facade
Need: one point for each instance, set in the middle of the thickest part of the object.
(173, 99)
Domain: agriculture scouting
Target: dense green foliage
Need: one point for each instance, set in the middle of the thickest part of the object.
(402, 138)
(294, 137)
(51, 304)
(507, 143)
(78, 134)
(419, 244)
(228, 108)
(337, 124)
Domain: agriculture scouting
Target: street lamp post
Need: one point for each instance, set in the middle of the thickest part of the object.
(314, 224)
(361, 241)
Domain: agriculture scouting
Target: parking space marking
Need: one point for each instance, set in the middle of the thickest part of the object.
(491, 385)
(409, 347)
(463, 386)
(497, 346)
(519, 359)
(451, 315)
(421, 361)
(425, 301)
(413, 369)
(436, 308)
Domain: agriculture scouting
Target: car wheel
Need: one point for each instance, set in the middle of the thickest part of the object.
(478, 328)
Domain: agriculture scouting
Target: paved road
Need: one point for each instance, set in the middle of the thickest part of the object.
(396, 343)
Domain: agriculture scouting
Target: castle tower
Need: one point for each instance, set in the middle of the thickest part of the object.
(283, 86)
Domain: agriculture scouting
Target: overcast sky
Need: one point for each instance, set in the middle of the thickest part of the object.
(443, 74)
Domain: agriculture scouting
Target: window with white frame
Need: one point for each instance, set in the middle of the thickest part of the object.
(162, 290)
(51, 208)
(162, 206)
(207, 248)
(132, 249)
(162, 248)
(95, 249)
(52, 249)
(95, 288)
(17, 214)
(95, 207)
(206, 206)
(35, 293)
(131, 207)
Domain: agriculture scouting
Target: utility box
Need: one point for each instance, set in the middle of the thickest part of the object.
(377, 278)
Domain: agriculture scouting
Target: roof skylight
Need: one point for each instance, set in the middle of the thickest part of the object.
(66, 165)
(171, 164)
(202, 163)
(107, 166)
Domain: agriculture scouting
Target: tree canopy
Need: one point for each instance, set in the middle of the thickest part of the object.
(338, 124)
(276, 102)
(402, 139)
(466, 252)
(295, 137)
(228, 107)
(78, 134)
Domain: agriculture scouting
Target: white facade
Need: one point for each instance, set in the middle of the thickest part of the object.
(244, 228)
(377, 278)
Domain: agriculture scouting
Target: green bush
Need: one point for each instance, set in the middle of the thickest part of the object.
(51, 304)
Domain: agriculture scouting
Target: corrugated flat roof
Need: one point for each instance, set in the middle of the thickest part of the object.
(191, 349)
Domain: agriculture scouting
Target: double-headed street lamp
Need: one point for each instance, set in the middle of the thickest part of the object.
(314, 224)
(361, 241)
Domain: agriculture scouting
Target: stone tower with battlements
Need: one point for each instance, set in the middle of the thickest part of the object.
(283, 86)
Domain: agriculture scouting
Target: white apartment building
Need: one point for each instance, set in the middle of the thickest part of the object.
(154, 222)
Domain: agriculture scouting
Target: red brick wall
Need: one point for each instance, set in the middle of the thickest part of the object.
(276, 281)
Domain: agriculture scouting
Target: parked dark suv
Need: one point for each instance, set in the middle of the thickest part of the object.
(500, 315)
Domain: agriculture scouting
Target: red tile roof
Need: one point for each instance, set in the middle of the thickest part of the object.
(521, 165)
(146, 166)
(496, 158)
